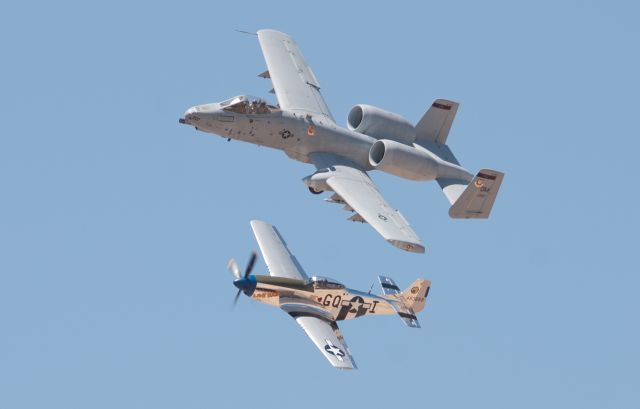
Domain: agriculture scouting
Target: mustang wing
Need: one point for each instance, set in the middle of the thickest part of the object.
(295, 85)
(357, 190)
(279, 260)
(324, 332)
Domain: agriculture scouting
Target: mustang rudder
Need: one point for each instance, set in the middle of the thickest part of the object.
(415, 296)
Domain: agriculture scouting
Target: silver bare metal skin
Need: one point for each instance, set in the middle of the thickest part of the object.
(319, 303)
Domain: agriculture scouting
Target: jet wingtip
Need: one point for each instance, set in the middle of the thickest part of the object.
(408, 246)
(267, 31)
(256, 223)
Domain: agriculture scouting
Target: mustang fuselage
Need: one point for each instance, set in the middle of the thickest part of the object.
(337, 301)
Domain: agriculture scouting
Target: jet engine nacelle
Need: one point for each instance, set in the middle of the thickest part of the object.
(380, 124)
(413, 163)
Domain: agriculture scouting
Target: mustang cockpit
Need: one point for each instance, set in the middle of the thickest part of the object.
(245, 104)
(324, 283)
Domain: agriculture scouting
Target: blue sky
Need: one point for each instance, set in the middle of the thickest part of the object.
(116, 222)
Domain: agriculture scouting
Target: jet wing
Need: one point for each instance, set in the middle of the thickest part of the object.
(324, 333)
(356, 189)
(276, 254)
(295, 85)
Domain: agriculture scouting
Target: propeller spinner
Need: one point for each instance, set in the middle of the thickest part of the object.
(244, 283)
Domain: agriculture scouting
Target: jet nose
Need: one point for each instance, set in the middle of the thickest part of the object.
(188, 115)
(246, 284)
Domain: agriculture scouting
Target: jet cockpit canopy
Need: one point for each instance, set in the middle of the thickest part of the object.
(247, 104)
(324, 283)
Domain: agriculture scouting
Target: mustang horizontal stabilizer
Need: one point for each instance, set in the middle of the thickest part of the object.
(409, 301)
(389, 287)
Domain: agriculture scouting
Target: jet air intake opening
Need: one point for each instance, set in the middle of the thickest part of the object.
(376, 153)
(355, 117)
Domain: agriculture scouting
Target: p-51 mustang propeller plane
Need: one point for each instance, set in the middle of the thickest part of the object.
(316, 303)
(302, 126)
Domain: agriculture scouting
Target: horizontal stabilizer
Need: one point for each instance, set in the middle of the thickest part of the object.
(399, 300)
(477, 198)
(389, 287)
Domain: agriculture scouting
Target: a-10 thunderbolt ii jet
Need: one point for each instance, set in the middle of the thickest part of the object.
(302, 126)
(316, 303)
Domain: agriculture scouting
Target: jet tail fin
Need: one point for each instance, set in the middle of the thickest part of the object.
(469, 200)
(436, 122)
(475, 199)
(407, 302)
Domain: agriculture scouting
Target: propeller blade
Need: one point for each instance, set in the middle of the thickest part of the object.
(252, 261)
(233, 267)
(235, 300)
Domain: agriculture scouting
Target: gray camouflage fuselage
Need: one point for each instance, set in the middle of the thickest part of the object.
(286, 131)
(302, 126)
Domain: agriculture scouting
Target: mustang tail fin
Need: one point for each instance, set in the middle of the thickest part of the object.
(407, 302)
(415, 296)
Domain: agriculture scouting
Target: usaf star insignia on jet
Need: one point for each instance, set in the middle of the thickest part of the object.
(317, 303)
(373, 140)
